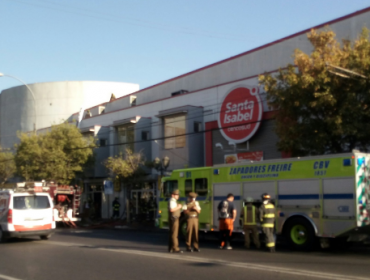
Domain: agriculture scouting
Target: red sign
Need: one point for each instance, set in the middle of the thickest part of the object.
(247, 156)
(240, 114)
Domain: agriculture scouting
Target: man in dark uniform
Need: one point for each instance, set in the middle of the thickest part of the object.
(192, 210)
(227, 215)
(174, 211)
(116, 205)
(248, 218)
(267, 218)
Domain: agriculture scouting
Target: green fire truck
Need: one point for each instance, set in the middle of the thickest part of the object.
(321, 197)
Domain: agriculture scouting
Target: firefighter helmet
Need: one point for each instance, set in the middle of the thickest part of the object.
(265, 196)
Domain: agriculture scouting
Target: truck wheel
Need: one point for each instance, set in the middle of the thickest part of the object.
(183, 228)
(300, 234)
(45, 237)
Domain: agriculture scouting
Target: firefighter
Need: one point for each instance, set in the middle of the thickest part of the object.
(174, 210)
(267, 218)
(116, 205)
(249, 218)
(192, 210)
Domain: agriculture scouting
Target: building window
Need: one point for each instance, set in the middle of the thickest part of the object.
(174, 132)
(132, 100)
(103, 142)
(101, 110)
(145, 135)
(87, 114)
(125, 138)
(197, 126)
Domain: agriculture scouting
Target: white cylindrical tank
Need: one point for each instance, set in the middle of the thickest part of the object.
(53, 103)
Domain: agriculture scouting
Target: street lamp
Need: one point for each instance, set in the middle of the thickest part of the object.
(161, 165)
(33, 95)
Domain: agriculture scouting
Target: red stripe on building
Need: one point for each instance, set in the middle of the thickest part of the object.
(210, 126)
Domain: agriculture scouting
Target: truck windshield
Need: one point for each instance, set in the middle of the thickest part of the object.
(31, 202)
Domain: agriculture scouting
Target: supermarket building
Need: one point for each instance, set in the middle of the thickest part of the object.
(212, 115)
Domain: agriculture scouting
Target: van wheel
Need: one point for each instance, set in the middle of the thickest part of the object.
(300, 234)
(2, 238)
(45, 237)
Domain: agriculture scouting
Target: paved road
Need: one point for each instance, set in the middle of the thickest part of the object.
(128, 254)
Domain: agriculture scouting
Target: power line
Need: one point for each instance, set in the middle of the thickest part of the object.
(166, 137)
(195, 116)
(114, 18)
(154, 124)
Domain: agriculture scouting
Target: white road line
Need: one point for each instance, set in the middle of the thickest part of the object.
(8, 277)
(240, 265)
(244, 265)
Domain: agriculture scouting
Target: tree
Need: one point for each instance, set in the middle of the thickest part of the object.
(322, 102)
(7, 166)
(56, 155)
(125, 166)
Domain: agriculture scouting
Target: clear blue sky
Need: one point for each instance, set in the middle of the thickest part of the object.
(143, 41)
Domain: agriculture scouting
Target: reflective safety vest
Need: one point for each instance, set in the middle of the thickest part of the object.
(116, 206)
(267, 215)
(249, 215)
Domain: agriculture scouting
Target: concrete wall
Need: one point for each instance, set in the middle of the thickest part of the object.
(266, 58)
(208, 86)
(52, 103)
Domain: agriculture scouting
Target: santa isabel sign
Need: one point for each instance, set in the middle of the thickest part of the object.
(240, 114)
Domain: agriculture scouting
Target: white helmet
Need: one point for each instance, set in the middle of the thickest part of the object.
(249, 199)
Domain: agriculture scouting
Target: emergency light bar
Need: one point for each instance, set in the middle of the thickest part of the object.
(361, 161)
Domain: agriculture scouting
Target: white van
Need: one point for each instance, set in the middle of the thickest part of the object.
(25, 212)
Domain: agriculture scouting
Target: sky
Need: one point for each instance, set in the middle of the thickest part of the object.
(143, 41)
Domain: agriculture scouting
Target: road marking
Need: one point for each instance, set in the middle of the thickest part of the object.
(80, 231)
(8, 277)
(244, 265)
(254, 266)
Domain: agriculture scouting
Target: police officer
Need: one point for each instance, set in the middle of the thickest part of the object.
(174, 211)
(116, 205)
(192, 210)
(248, 218)
(267, 218)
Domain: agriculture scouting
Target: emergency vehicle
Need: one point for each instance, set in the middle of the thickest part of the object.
(26, 210)
(67, 200)
(315, 197)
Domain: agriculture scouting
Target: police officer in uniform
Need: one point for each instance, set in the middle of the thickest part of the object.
(249, 218)
(174, 211)
(267, 218)
(192, 210)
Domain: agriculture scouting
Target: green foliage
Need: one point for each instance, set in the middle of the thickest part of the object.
(56, 155)
(125, 166)
(7, 166)
(321, 108)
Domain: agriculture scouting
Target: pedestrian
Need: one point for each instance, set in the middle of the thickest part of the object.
(226, 214)
(267, 218)
(116, 206)
(174, 211)
(249, 218)
(192, 211)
